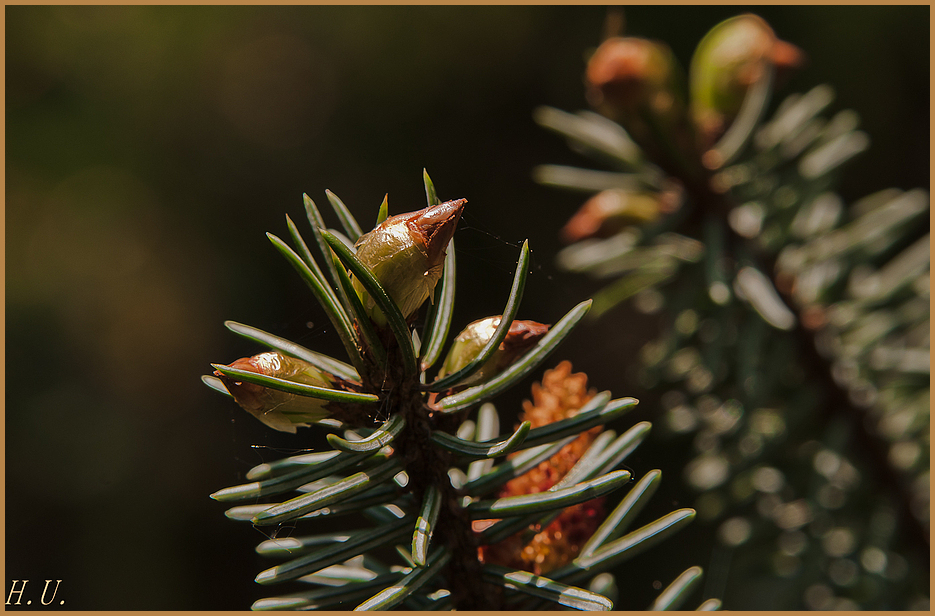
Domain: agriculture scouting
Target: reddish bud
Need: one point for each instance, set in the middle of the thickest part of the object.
(521, 337)
(279, 410)
(627, 74)
(609, 211)
(406, 253)
(638, 83)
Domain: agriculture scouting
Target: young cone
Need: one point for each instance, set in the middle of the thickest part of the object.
(560, 395)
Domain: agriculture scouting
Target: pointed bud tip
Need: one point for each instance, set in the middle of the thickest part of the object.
(523, 334)
(787, 56)
(436, 225)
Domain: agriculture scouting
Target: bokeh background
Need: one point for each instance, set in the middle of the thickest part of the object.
(148, 150)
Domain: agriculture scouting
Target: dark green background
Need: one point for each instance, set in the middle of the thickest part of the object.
(150, 148)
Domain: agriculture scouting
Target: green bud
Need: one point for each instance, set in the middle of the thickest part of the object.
(278, 409)
(406, 253)
(731, 57)
(609, 211)
(521, 336)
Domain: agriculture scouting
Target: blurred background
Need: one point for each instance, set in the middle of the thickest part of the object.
(150, 148)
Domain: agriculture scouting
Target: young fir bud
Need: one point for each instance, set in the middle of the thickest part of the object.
(638, 83)
(609, 211)
(278, 409)
(406, 253)
(521, 337)
(731, 57)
